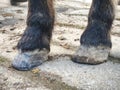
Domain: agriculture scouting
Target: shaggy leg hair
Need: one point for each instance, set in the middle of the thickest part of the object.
(96, 41)
(34, 45)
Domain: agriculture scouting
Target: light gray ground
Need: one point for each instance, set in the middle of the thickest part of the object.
(59, 73)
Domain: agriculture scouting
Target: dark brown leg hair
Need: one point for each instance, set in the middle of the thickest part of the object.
(96, 41)
(34, 45)
(100, 20)
(40, 24)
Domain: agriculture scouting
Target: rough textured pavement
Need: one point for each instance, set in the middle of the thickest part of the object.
(59, 73)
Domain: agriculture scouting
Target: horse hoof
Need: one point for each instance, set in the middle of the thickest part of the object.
(91, 55)
(28, 60)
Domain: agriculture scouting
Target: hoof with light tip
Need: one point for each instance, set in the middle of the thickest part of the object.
(91, 55)
(29, 60)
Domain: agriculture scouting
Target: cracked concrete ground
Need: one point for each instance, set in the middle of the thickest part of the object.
(59, 73)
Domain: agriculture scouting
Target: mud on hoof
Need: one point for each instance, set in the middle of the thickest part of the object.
(91, 55)
(29, 60)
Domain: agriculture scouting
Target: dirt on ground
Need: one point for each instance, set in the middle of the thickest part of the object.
(59, 73)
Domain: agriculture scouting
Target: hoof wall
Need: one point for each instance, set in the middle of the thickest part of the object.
(91, 55)
(29, 60)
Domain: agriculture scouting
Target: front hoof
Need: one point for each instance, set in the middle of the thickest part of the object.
(28, 60)
(91, 55)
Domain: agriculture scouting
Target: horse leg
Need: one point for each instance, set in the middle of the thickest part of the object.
(34, 45)
(95, 41)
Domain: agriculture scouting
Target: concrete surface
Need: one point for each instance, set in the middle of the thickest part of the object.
(59, 73)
